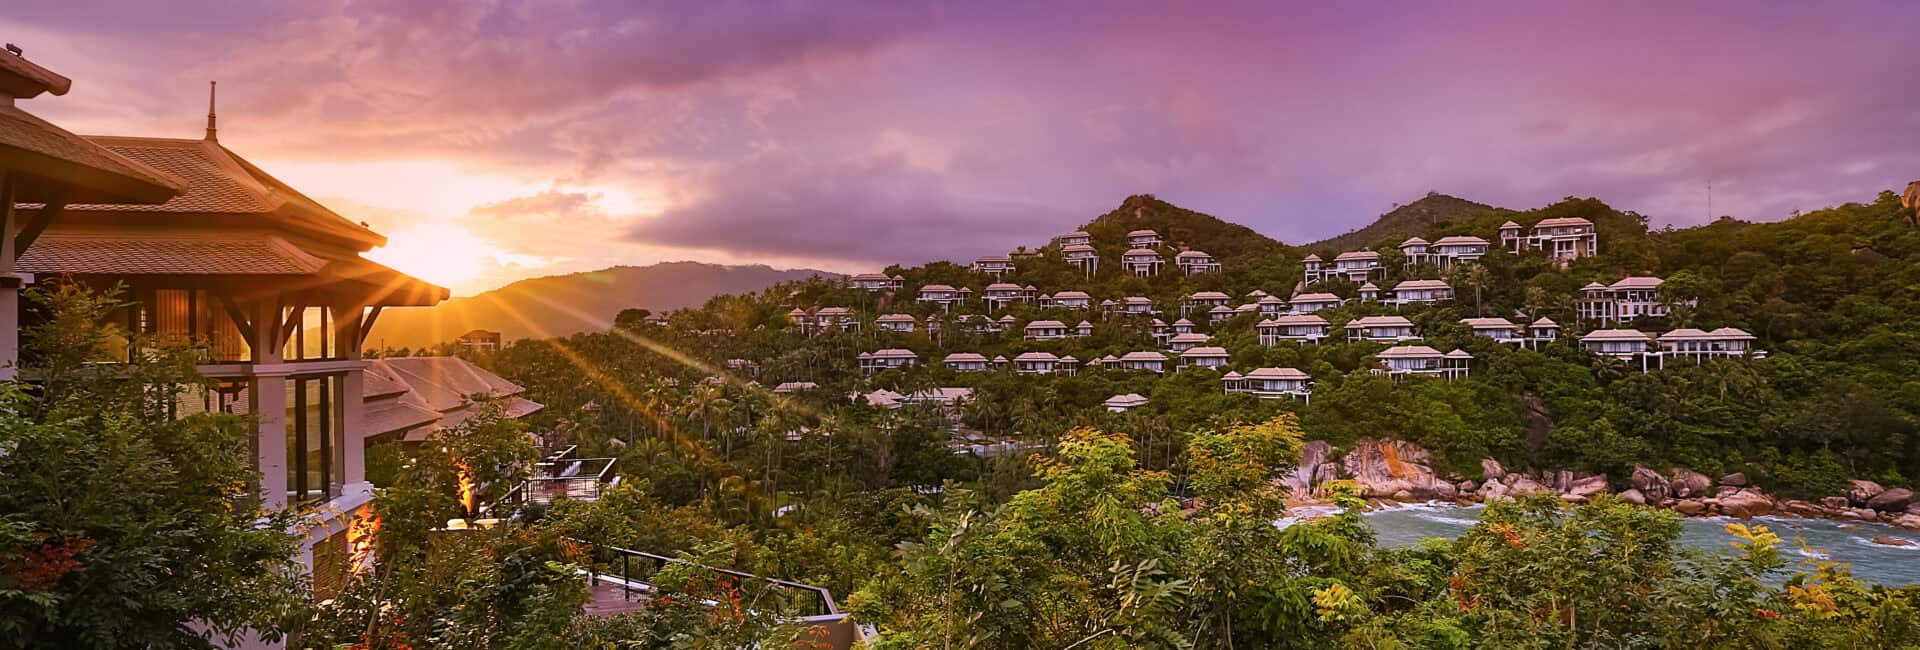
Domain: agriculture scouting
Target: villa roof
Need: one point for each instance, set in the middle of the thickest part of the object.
(1616, 335)
(1037, 356)
(1084, 323)
(1410, 352)
(1315, 297)
(1379, 321)
(1076, 248)
(1460, 240)
(1311, 257)
(1270, 300)
(1218, 309)
(1545, 322)
(1685, 333)
(1143, 355)
(1230, 376)
(966, 357)
(1413, 241)
(833, 311)
(1136, 300)
(871, 276)
(1421, 284)
(1077, 233)
(1007, 319)
(1562, 221)
(1256, 293)
(896, 318)
(1731, 333)
(936, 287)
(1189, 337)
(1509, 225)
(1593, 285)
(1208, 295)
(1183, 321)
(1487, 323)
(1295, 319)
(1004, 286)
(1369, 286)
(53, 161)
(893, 353)
(1141, 252)
(992, 258)
(792, 386)
(1204, 351)
(1128, 400)
(1071, 295)
(1191, 254)
(1143, 233)
(1636, 282)
(1277, 373)
(1459, 354)
(1046, 324)
(1357, 255)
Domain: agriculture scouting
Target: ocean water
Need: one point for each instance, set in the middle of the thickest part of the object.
(1823, 539)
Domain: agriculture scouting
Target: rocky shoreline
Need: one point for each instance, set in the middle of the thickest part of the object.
(1398, 471)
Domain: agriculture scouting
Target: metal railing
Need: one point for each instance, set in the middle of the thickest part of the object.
(636, 570)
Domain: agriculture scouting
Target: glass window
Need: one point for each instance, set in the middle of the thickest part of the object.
(314, 437)
(313, 335)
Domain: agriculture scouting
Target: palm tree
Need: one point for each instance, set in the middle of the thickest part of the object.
(1471, 275)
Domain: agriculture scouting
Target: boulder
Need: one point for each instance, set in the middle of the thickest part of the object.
(1388, 467)
(1747, 504)
(1469, 486)
(1524, 485)
(1651, 484)
(1857, 514)
(1802, 508)
(1909, 522)
(1634, 497)
(1689, 484)
(1587, 486)
(1736, 479)
(1888, 540)
(1313, 456)
(1403, 495)
(1491, 470)
(1833, 503)
(1444, 491)
(1894, 500)
(1690, 507)
(1863, 491)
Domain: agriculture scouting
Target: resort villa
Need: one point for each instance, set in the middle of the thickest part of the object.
(1195, 262)
(1355, 266)
(1563, 238)
(1270, 383)
(1309, 328)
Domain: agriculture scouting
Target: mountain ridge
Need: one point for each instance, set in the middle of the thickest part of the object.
(1404, 221)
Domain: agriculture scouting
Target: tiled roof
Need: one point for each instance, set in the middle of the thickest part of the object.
(1380, 321)
(1003, 286)
(1204, 351)
(1562, 221)
(1413, 241)
(1409, 352)
(1190, 337)
(1208, 295)
(935, 287)
(1276, 373)
(1143, 233)
(1076, 248)
(1637, 282)
(1143, 356)
(1731, 333)
(894, 353)
(1615, 335)
(966, 357)
(129, 252)
(1036, 356)
(1141, 252)
(1357, 255)
(896, 318)
(1129, 400)
(1461, 240)
(1316, 297)
(1485, 323)
(71, 163)
(1302, 319)
(1421, 284)
(1071, 295)
(1685, 333)
(1545, 322)
(1191, 254)
(1046, 324)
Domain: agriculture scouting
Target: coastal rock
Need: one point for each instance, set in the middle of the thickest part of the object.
(1833, 503)
(1863, 491)
(1313, 456)
(1468, 486)
(1634, 497)
(1887, 540)
(1858, 514)
(1690, 507)
(1587, 486)
(1909, 522)
(1803, 508)
(1746, 504)
(1736, 479)
(1651, 484)
(1894, 500)
(1690, 484)
(1387, 467)
(1444, 491)
(1524, 485)
(1491, 470)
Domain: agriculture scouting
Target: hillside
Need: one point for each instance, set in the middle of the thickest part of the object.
(1227, 241)
(1404, 221)
(566, 304)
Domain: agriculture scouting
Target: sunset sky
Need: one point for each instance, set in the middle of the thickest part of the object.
(499, 140)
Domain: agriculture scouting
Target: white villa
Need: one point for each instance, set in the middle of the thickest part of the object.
(1084, 328)
(943, 295)
(1075, 238)
(1623, 344)
(1142, 262)
(1068, 300)
(1143, 239)
(1270, 383)
(1413, 292)
(1223, 312)
(1187, 341)
(1183, 326)
(966, 362)
(1540, 332)
(1355, 266)
(1404, 360)
(1136, 305)
(1204, 357)
(1306, 327)
(1700, 345)
(995, 265)
(1203, 299)
(1124, 403)
(1563, 238)
(1195, 262)
(1144, 360)
(1624, 301)
(1270, 305)
(1382, 328)
(888, 359)
(1040, 363)
(1082, 256)
(1308, 303)
(1047, 330)
(1369, 292)
(1444, 253)
(876, 282)
(1001, 294)
(903, 323)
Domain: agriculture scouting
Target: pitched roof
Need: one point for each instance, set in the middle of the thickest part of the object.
(966, 357)
(1141, 252)
(1143, 355)
(57, 163)
(1315, 297)
(1731, 333)
(1409, 352)
(936, 287)
(1357, 255)
(1379, 321)
(1003, 286)
(1616, 335)
(1421, 284)
(1461, 240)
(1413, 241)
(896, 318)
(1636, 282)
(1142, 233)
(1046, 324)
(1487, 323)
(1204, 351)
(1071, 295)
(1562, 221)
(1208, 295)
(132, 252)
(1295, 319)
(1128, 400)
(1277, 373)
(1311, 257)
(1191, 254)
(1076, 248)
(1545, 322)
(1458, 353)
(1685, 333)
(1037, 356)
(1190, 337)
(894, 353)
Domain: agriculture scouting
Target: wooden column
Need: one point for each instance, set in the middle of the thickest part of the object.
(267, 400)
(9, 288)
(352, 406)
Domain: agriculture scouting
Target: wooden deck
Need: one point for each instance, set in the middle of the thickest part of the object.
(607, 598)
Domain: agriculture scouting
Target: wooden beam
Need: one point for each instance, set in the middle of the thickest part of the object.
(366, 324)
(38, 225)
(286, 329)
(240, 322)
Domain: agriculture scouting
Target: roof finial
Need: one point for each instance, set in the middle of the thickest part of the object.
(211, 130)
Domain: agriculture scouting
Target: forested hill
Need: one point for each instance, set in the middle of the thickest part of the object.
(1435, 210)
(559, 305)
(1181, 228)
